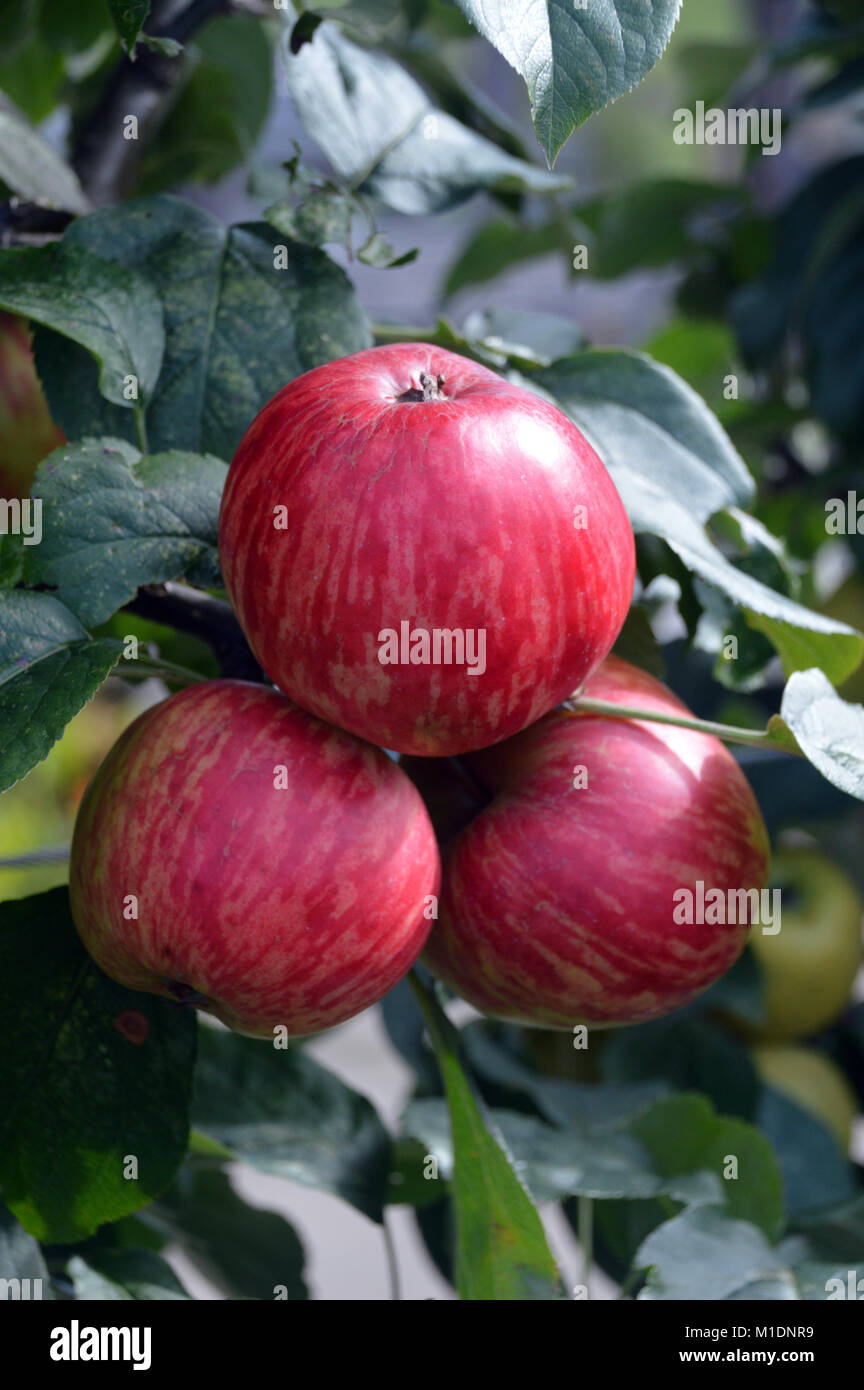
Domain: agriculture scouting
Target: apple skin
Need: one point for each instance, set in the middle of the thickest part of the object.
(27, 432)
(267, 907)
(557, 904)
(454, 513)
(809, 966)
(813, 1081)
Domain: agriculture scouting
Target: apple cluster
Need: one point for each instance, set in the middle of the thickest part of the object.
(389, 519)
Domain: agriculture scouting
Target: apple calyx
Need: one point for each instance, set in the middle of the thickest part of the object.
(430, 389)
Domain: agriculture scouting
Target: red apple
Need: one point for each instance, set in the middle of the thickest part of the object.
(406, 490)
(558, 902)
(27, 432)
(264, 904)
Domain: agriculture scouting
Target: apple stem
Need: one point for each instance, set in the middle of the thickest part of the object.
(167, 670)
(430, 389)
(778, 738)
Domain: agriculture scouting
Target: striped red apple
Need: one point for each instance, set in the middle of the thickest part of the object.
(559, 899)
(421, 552)
(235, 853)
(27, 432)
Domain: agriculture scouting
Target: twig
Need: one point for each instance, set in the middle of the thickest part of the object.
(23, 223)
(105, 158)
(200, 615)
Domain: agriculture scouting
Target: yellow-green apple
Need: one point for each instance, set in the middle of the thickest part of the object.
(809, 966)
(421, 552)
(235, 853)
(27, 432)
(813, 1081)
(568, 898)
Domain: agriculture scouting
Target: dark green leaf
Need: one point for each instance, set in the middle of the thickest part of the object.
(500, 244)
(128, 17)
(216, 120)
(109, 1275)
(237, 329)
(815, 1172)
(649, 224)
(49, 668)
(92, 1076)
(281, 1112)
(115, 521)
(246, 1252)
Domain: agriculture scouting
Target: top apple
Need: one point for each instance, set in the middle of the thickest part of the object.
(422, 553)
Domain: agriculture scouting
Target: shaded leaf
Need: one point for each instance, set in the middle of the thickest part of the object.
(49, 669)
(115, 521)
(91, 1076)
(113, 313)
(237, 328)
(283, 1113)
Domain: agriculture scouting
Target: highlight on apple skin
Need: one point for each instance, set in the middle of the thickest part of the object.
(557, 901)
(407, 485)
(280, 869)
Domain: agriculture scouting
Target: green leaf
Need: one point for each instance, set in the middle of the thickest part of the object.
(688, 1053)
(246, 1252)
(648, 224)
(378, 252)
(384, 137)
(555, 1163)
(815, 1171)
(574, 59)
(828, 730)
(32, 168)
(675, 467)
(91, 1076)
(281, 1112)
(21, 1258)
(683, 1135)
(809, 294)
(113, 313)
(705, 1254)
(115, 521)
(18, 21)
(325, 216)
(216, 120)
(237, 329)
(128, 17)
(500, 244)
(500, 1242)
(109, 1275)
(49, 669)
(521, 336)
(658, 438)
